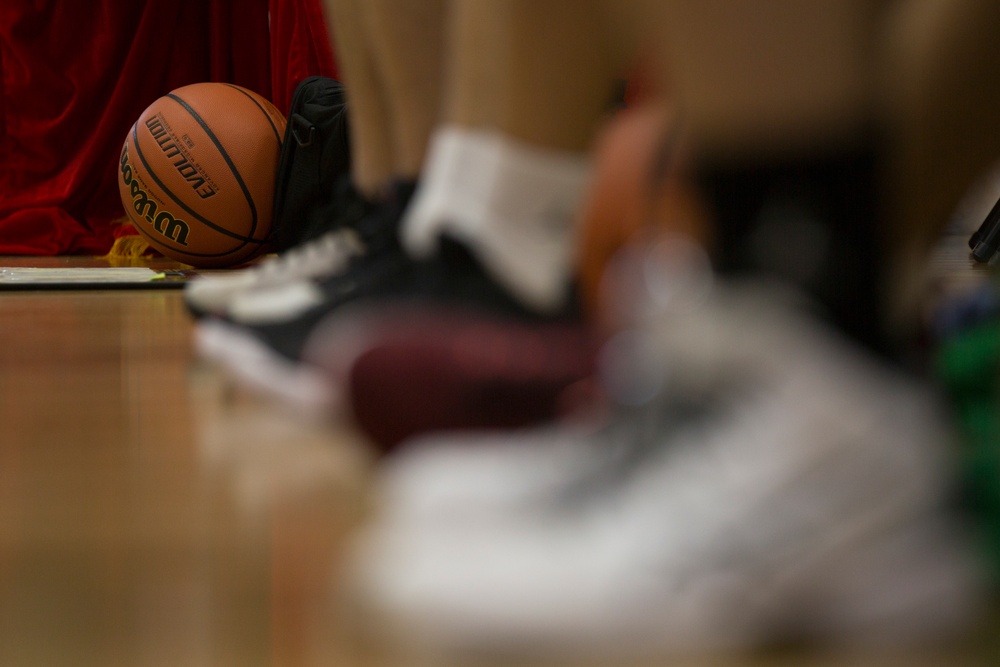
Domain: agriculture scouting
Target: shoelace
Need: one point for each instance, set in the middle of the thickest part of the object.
(313, 258)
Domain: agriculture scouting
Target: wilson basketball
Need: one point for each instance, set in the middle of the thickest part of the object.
(197, 173)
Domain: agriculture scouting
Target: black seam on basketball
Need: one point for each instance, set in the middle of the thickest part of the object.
(253, 99)
(169, 193)
(158, 240)
(225, 156)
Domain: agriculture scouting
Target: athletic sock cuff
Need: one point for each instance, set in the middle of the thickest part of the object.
(513, 204)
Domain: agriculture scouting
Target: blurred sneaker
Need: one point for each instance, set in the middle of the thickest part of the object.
(271, 351)
(804, 500)
(451, 478)
(652, 387)
(432, 369)
(265, 353)
(313, 260)
(321, 254)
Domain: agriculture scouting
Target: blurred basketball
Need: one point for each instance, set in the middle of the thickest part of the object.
(197, 173)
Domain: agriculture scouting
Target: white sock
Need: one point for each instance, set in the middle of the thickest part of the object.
(513, 204)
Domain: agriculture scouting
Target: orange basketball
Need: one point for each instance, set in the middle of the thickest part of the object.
(197, 173)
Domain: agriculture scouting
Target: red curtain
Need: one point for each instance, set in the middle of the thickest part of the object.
(76, 75)
(300, 47)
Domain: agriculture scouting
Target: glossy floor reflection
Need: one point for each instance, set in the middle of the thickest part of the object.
(153, 514)
(148, 515)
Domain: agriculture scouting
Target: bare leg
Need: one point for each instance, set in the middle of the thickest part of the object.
(390, 53)
(527, 85)
(370, 137)
(778, 99)
(540, 72)
(917, 80)
(760, 77)
(409, 38)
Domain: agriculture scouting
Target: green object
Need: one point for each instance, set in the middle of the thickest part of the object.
(968, 365)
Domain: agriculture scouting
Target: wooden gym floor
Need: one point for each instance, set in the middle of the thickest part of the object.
(153, 514)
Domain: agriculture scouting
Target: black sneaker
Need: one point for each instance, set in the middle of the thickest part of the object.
(270, 354)
(325, 253)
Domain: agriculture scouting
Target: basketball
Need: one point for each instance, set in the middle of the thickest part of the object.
(197, 174)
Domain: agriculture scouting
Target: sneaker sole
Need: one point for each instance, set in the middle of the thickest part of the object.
(255, 366)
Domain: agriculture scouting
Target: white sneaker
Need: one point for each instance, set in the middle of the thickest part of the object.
(449, 478)
(656, 288)
(805, 503)
(317, 259)
(442, 477)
